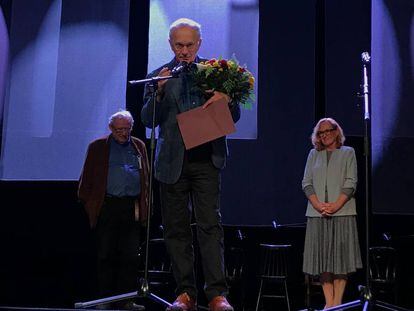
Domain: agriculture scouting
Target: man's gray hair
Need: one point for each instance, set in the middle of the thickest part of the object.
(122, 114)
(185, 22)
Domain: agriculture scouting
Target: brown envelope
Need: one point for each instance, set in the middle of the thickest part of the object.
(199, 125)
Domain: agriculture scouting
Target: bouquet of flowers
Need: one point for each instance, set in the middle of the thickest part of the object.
(228, 77)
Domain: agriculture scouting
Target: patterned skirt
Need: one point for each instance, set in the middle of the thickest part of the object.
(331, 245)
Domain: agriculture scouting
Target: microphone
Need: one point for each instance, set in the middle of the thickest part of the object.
(365, 57)
(181, 67)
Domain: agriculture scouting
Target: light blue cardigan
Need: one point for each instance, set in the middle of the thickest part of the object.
(341, 172)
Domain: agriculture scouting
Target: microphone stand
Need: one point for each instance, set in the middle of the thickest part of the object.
(143, 289)
(367, 300)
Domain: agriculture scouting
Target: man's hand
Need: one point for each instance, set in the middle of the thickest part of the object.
(164, 72)
(217, 96)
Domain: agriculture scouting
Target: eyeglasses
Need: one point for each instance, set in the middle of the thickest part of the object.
(325, 132)
(121, 129)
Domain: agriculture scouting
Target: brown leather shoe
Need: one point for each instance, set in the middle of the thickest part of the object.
(183, 303)
(220, 303)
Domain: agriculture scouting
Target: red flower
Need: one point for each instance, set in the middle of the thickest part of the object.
(223, 63)
(241, 69)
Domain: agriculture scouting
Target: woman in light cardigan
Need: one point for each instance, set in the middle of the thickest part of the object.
(329, 182)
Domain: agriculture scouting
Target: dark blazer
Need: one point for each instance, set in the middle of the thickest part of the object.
(169, 155)
(93, 179)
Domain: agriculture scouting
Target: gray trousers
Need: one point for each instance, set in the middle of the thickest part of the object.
(201, 181)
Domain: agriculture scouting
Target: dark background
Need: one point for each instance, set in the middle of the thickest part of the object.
(309, 67)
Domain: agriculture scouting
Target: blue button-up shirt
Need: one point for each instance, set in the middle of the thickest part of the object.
(123, 173)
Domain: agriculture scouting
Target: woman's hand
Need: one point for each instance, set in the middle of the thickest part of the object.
(318, 205)
(332, 208)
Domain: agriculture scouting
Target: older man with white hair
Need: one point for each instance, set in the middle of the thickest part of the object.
(113, 188)
(189, 173)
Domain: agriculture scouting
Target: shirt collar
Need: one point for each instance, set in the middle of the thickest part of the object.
(112, 139)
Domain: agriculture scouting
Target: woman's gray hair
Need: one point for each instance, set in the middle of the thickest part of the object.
(185, 22)
(121, 114)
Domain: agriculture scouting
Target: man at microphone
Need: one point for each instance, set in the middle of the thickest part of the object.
(191, 173)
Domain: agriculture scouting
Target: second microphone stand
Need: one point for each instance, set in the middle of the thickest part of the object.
(367, 301)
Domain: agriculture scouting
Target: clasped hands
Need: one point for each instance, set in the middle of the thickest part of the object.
(328, 209)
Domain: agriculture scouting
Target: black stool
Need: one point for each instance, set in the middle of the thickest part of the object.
(313, 288)
(235, 275)
(274, 264)
(383, 272)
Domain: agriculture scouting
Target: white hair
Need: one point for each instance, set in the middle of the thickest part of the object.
(185, 22)
(121, 114)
